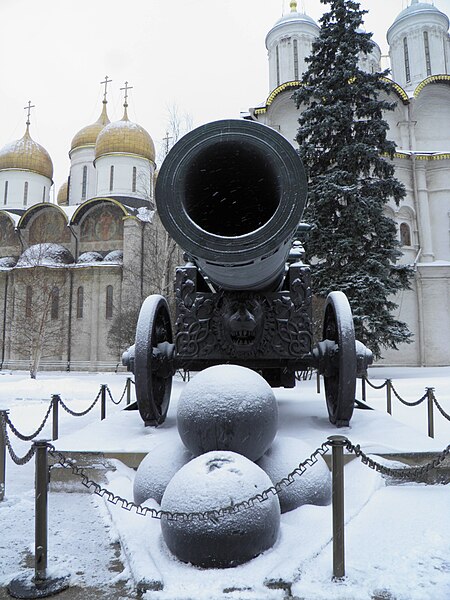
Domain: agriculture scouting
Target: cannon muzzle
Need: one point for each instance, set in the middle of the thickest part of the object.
(231, 193)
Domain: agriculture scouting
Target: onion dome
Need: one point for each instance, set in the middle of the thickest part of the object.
(88, 135)
(63, 194)
(417, 9)
(27, 155)
(125, 137)
(293, 17)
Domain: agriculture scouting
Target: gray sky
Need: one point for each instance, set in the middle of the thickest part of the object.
(207, 57)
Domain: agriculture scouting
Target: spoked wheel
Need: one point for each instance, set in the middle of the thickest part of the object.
(153, 360)
(337, 359)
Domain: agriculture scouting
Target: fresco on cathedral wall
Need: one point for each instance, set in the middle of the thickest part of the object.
(102, 224)
(8, 236)
(49, 226)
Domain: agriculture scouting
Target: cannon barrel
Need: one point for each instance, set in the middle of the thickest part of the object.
(231, 194)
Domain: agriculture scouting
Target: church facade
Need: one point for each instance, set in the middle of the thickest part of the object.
(419, 52)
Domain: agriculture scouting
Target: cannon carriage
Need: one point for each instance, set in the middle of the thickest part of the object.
(232, 194)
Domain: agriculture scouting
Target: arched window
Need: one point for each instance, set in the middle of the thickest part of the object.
(43, 194)
(111, 178)
(109, 302)
(295, 60)
(25, 193)
(84, 184)
(133, 183)
(405, 234)
(28, 301)
(54, 309)
(427, 52)
(278, 65)
(5, 196)
(80, 302)
(406, 55)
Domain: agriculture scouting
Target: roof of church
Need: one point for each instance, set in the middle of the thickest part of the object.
(416, 8)
(293, 17)
(87, 136)
(26, 154)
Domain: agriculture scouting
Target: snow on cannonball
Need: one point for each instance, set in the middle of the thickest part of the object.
(312, 487)
(211, 481)
(157, 469)
(227, 407)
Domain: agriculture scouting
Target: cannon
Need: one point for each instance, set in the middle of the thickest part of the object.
(231, 194)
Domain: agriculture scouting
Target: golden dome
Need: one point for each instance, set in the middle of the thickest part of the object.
(125, 137)
(63, 194)
(88, 135)
(27, 155)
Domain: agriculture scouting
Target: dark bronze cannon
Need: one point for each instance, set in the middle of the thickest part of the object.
(231, 194)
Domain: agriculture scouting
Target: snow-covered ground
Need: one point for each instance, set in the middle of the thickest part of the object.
(397, 537)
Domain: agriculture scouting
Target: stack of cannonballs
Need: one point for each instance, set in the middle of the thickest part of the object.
(227, 420)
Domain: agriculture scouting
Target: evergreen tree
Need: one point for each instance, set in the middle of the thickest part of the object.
(342, 137)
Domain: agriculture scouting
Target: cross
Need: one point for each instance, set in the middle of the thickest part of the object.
(166, 139)
(126, 88)
(105, 83)
(28, 108)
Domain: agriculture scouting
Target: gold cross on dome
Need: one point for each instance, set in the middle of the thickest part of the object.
(126, 88)
(28, 108)
(105, 83)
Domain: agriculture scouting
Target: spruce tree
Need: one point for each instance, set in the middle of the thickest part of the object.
(342, 140)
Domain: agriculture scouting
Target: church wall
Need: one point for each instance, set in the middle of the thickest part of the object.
(438, 177)
(80, 158)
(122, 180)
(38, 189)
(430, 113)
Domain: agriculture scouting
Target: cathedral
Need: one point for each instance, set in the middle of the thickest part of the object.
(75, 271)
(419, 55)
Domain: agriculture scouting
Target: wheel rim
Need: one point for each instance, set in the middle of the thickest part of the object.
(153, 360)
(340, 379)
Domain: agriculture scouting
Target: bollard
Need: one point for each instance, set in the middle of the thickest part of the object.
(38, 585)
(318, 382)
(337, 443)
(55, 400)
(128, 391)
(103, 403)
(430, 402)
(389, 396)
(363, 389)
(3, 413)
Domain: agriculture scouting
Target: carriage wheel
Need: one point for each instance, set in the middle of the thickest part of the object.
(153, 360)
(340, 364)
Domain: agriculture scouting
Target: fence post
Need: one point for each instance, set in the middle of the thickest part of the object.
(128, 391)
(55, 400)
(337, 443)
(430, 402)
(103, 402)
(389, 396)
(363, 388)
(3, 413)
(318, 382)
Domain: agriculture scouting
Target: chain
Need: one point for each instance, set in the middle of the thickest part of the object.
(440, 409)
(121, 397)
(416, 403)
(182, 516)
(27, 438)
(14, 457)
(376, 387)
(406, 473)
(84, 412)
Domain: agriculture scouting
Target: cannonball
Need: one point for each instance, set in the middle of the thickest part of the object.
(228, 407)
(312, 487)
(216, 480)
(157, 469)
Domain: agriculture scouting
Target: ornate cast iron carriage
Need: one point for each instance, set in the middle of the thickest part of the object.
(231, 194)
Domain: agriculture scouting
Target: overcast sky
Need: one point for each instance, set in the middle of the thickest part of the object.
(207, 57)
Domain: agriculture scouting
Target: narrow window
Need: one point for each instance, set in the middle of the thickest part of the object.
(109, 301)
(25, 193)
(133, 185)
(278, 66)
(28, 301)
(54, 310)
(295, 60)
(43, 195)
(405, 234)
(406, 53)
(80, 302)
(5, 196)
(111, 178)
(427, 52)
(84, 184)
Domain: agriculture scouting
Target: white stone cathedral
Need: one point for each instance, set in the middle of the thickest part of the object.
(419, 53)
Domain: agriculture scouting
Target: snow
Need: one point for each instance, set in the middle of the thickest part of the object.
(47, 254)
(115, 256)
(88, 257)
(145, 214)
(396, 536)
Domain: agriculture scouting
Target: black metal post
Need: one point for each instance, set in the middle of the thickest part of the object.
(103, 402)
(363, 389)
(55, 400)
(337, 461)
(318, 382)
(3, 413)
(389, 396)
(128, 391)
(430, 391)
